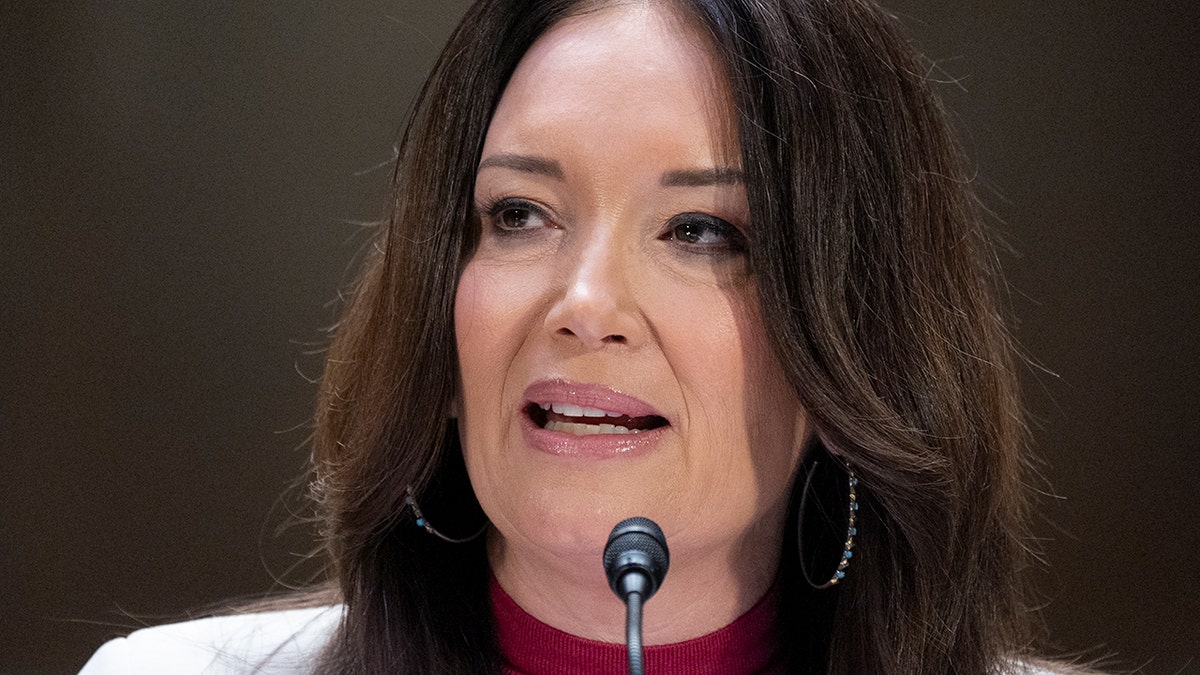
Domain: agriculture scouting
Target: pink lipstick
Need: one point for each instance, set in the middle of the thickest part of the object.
(566, 418)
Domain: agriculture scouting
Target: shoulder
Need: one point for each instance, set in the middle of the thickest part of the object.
(267, 642)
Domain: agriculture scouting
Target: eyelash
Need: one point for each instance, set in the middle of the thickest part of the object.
(734, 240)
(494, 213)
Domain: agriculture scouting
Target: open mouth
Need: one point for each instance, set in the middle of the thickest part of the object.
(581, 421)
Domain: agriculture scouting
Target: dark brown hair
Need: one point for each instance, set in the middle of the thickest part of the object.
(876, 281)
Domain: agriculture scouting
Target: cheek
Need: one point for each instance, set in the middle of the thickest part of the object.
(776, 424)
(479, 323)
(478, 318)
(746, 427)
(471, 324)
(488, 323)
(468, 307)
(495, 310)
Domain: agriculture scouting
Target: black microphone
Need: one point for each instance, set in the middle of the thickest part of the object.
(635, 562)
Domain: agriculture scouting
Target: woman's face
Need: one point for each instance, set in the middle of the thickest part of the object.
(613, 361)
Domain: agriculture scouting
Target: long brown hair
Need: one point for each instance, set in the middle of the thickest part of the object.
(876, 281)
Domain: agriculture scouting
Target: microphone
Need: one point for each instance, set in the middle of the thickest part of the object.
(635, 562)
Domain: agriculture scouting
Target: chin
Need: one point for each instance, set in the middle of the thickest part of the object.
(567, 521)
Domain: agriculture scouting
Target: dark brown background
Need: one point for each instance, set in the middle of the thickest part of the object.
(179, 189)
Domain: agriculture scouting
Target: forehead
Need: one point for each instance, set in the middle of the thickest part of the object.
(612, 74)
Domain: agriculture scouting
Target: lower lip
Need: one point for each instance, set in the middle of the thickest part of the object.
(591, 446)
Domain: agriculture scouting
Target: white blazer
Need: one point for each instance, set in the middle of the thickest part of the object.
(275, 643)
(272, 643)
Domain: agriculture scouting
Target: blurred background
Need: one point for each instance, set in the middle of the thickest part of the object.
(182, 192)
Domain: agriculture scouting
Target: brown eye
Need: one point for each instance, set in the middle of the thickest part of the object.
(516, 214)
(518, 218)
(705, 232)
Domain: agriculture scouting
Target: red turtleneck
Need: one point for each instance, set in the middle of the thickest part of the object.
(530, 647)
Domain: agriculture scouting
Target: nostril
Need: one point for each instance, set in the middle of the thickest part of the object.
(607, 339)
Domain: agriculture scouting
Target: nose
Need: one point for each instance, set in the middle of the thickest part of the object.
(595, 306)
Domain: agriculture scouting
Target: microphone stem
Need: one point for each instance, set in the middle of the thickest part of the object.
(633, 632)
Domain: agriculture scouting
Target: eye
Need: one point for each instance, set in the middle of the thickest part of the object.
(705, 233)
(513, 215)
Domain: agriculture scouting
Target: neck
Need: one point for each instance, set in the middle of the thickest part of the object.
(704, 591)
(750, 644)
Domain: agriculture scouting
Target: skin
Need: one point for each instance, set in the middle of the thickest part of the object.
(590, 269)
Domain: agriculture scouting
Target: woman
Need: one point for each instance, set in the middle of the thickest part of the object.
(713, 262)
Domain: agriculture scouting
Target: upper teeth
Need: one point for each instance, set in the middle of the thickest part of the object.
(577, 411)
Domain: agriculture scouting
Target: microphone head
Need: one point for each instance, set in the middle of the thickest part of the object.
(636, 558)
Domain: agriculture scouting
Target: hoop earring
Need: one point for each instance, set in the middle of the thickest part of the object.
(423, 522)
(851, 530)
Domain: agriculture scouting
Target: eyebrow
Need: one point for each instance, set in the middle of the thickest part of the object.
(548, 167)
(702, 177)
(524, 163)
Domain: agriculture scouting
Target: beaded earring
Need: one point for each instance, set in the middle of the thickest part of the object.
(411, 501)
(851, 529)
